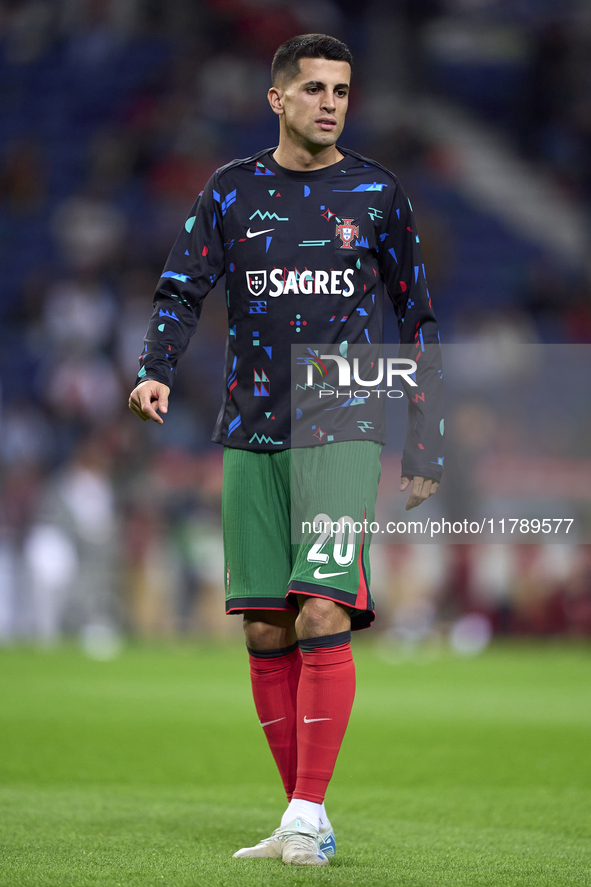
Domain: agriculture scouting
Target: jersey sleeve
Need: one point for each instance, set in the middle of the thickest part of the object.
(403, 271)
(194, 265)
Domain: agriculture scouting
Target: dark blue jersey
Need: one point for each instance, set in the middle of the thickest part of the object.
(308, 258)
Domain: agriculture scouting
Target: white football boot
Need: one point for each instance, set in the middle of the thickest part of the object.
(301, 844)
(268, 848)
(297, 843)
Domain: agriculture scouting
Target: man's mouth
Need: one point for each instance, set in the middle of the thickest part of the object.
(326, 123)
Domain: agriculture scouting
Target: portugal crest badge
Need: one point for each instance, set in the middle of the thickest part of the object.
(256, 282)
(347, 231)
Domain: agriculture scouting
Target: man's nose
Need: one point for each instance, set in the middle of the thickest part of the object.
(328, 103)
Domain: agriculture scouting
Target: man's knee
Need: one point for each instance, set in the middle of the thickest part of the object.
(319, 617)
(269, 629)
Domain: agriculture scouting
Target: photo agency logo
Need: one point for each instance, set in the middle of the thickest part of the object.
(340, 391)
(366, 375)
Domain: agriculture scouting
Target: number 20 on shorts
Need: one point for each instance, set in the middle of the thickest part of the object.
(343, 531)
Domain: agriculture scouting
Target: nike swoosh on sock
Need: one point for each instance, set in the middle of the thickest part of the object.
(266, 724)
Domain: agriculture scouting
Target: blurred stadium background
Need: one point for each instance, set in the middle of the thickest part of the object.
(113, 113)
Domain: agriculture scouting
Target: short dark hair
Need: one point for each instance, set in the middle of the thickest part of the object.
(286, 61)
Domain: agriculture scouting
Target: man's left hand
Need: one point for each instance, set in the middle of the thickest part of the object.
(422, 488)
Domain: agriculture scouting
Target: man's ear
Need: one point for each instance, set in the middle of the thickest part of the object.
(275, 97)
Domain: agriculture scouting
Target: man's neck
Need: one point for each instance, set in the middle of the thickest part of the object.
(301, 159)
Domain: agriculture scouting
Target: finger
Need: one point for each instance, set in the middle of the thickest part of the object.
(428, 488)
(137, 411)
(140, 403)
(415, 496)
(163, 402)
(135, 408)
(404, 482)
(147, 408)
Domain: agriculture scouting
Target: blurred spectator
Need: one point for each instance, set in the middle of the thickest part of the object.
(79, 315)
(27, 437)
(23, 186)
(28, 28)
(89, 231)
(71, 552)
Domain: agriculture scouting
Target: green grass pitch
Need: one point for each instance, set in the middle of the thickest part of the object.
(151, 769)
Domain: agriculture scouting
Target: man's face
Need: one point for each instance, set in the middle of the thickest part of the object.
(314, 104)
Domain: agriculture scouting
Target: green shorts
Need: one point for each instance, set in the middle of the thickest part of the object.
(297, 522)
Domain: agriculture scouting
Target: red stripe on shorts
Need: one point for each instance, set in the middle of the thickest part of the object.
(362, 589)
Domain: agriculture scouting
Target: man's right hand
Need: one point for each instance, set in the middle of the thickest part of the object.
(148, 397)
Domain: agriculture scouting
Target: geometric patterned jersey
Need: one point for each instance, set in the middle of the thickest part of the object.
(309, 259)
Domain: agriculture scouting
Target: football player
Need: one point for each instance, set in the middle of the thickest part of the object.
(311, 238)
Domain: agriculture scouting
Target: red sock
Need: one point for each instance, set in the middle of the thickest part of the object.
(325, 697)
(274, 676)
